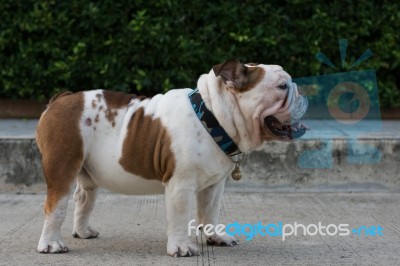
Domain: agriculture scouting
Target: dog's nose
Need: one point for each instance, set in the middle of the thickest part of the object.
(299, 108)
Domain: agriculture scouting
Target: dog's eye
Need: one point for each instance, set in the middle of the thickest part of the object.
(283, 86)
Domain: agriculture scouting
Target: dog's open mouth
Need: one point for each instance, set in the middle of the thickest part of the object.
(290, 131)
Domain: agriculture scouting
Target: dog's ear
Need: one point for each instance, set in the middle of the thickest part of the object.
(229, 70)
(236, 74)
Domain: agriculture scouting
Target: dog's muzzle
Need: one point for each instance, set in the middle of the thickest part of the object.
(297, 108)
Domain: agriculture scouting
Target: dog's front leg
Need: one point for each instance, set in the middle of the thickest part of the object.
(180, 202)
(208, 208)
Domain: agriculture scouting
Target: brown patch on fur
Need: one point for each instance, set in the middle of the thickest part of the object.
(242, 78)
(110, 116)
(60, 142)
(117, 100)
(254, 76)
(96, 119)
(94, 104)
(147, 148)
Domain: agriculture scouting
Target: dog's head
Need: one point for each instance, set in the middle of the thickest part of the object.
(266, 95)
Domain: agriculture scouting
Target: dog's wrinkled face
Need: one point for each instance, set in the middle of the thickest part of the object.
(266, 96)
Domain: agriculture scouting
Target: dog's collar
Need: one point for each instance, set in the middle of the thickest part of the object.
(212, 125)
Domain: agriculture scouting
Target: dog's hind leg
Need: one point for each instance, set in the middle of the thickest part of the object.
(59, 139)
(84, 197)
(59, 179)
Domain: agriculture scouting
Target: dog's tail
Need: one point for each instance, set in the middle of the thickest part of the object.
(59, 95)
(41, 127)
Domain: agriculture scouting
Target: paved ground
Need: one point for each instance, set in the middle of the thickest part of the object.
(132, 231)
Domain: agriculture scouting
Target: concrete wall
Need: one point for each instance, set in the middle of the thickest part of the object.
(274, 167)
(20, 161)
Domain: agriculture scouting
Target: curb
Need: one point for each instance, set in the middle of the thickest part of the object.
(274, 167)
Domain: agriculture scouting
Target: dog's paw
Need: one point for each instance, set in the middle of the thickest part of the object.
(224, 240)
(52, 246)
(181, 247)
(86, 234)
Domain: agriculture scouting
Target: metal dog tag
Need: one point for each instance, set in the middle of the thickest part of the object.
(236, 173)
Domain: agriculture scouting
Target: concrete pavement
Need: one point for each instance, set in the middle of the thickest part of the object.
(132, 231)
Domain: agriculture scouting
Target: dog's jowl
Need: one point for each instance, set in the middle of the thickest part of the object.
(130, 144)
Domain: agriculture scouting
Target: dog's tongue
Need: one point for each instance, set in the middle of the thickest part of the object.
(293, 127)
(289, 131)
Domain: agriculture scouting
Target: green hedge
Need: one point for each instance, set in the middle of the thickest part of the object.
(153, 46)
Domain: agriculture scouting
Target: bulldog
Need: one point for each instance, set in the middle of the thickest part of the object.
(127, 144)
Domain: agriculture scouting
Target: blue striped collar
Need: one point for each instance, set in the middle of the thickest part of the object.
(212, 125)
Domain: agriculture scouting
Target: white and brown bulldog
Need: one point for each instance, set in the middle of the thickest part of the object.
(127, 144)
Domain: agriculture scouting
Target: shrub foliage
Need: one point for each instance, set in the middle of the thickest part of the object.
(153, 46)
